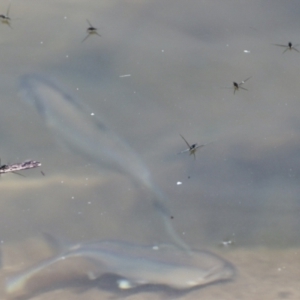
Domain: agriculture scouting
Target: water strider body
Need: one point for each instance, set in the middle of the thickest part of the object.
(289, 46)
(191, 148)
(237, 86)
(5, 19)
(135, 266)
(91, 30)
(84, 133)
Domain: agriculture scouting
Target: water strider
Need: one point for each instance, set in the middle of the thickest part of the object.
(289, 46)
(132, 266)
(5, 19)
(191, 148)
(91, 30)
(237, 86)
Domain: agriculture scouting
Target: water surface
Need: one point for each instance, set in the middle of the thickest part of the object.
(242, 187)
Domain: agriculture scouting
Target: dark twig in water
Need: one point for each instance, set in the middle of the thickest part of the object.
(28, 164)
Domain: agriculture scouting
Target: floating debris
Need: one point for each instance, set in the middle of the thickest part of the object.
(227, 243)
(28, 164)
(133, 265)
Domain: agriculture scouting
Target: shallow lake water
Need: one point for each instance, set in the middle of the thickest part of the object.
(160, 69)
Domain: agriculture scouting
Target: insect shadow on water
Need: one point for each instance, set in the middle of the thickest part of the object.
(91, 30)
(289, 46)
(191, 148)
(236, 86)
(5, 19)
